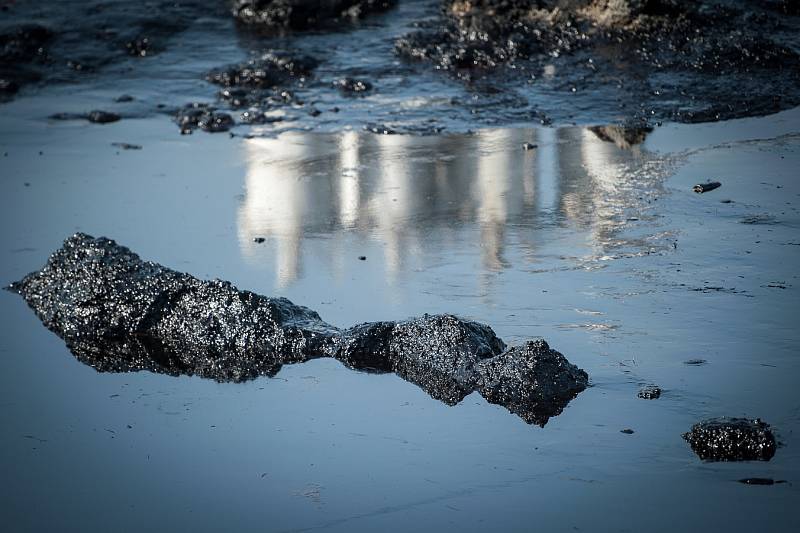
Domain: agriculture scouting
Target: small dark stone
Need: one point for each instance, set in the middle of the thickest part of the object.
(706, 187)
(695, 362)
(259, 240)
(314, 112)
(362, 257)
(102, 117)
(124, 98)
(732, 439)
(650, 392)
(627, 431)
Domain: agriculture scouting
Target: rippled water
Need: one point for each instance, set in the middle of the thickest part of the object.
(602, 250)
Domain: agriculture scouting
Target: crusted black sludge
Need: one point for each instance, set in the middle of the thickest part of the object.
(118, 313)
(532, 381)
(732, 439)
(439, 353)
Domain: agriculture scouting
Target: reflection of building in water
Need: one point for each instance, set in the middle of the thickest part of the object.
(502, 189)
(418, 195)
(281, 196)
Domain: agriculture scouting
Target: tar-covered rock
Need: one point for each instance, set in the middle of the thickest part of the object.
(532, 381)
(732, 439)
(118, 313)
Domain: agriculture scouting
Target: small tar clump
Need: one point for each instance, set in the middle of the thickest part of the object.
(732, 439)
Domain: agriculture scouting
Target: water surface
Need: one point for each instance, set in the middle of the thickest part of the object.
(602, 250)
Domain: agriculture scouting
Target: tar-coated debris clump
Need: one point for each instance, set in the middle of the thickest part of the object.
(263, 83)
(204, 117)
(650, 392)
(706, 187)
(732, 439)
(118, 313)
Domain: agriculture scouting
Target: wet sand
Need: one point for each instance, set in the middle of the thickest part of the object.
(604, 251)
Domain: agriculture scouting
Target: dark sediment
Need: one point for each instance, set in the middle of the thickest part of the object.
(262, 84)
(118, 313)
(272, 15)
(732, 439)
(204, 117)
(22, 50)
(62, 41)
(622, 61)
(679, 60)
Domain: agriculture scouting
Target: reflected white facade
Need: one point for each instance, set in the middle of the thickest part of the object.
(409, 195)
